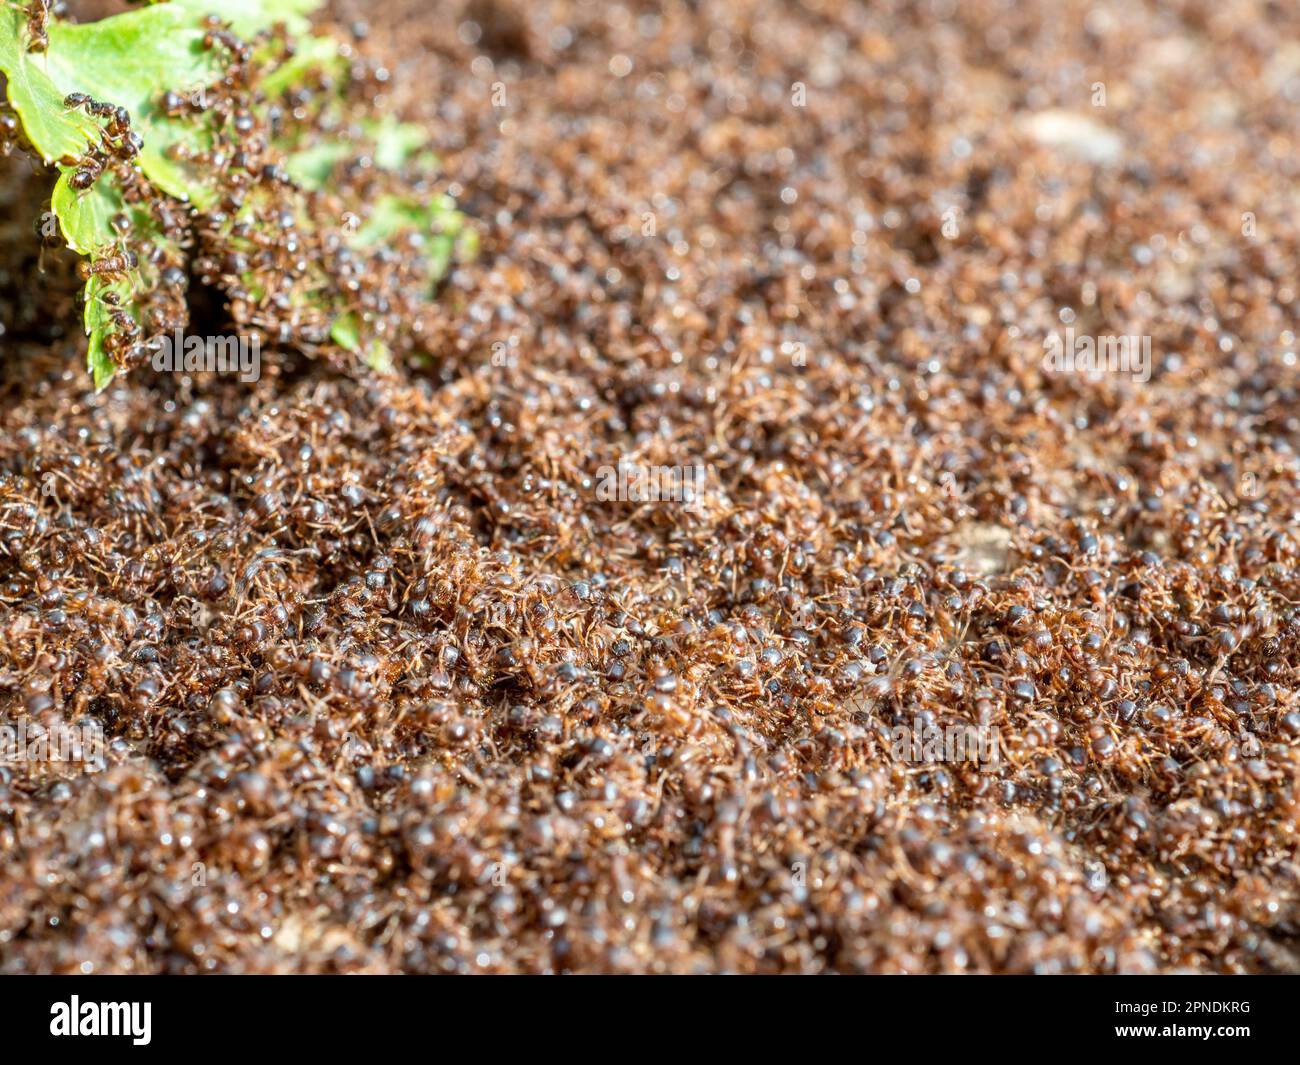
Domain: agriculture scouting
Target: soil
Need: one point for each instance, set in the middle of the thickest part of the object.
(389, 684)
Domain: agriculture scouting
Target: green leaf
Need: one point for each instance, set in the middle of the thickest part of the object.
(346, 332)
(312, 167)
(438, 221)
(97, 323)
(86, 221)
(130, 60)
(395, 142)
(86, 217)
(313, 54)
(35, 97)
(247, 17)
(379, 358)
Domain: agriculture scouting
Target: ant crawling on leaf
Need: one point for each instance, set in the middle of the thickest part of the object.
(109, 268)
(123, 141)
(89, 168)
(38, 14)
(80, 101)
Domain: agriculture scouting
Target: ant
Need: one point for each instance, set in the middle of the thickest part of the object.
(89, 168)
(120, 343)
(216, 34)
(75, 101)
(128, 147)
(125, 324)
(124, 142)
(110, 268)
(38, 16)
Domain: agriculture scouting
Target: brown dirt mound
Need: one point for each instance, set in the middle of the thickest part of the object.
(388, 686)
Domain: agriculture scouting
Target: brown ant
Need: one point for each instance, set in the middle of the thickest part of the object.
(119, 118)
(90, 167)
(217, 34)
(126, 325)
(109, 268)
(128, 147)
(119, 122)
(38, 15)
(80, 101)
